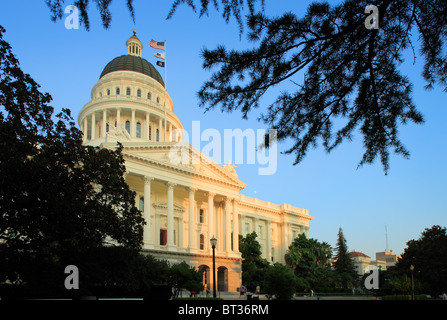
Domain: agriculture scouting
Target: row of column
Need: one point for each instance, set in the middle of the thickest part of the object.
(231, 210)
(172, 134)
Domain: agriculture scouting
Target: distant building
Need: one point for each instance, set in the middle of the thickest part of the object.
(362, 262)
(389, 258)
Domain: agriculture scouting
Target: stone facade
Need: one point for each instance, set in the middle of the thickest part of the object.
(183, 204)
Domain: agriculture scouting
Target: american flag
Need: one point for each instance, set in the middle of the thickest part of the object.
(157, 45)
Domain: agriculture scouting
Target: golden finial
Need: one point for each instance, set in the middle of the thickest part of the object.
(134, 33)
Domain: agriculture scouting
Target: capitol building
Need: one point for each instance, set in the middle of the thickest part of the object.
(184, 204)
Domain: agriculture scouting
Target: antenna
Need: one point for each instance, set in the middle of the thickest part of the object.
(386, 238)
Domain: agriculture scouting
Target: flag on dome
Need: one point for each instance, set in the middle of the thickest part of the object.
(157, 45)
(160, 55)
(161, 64)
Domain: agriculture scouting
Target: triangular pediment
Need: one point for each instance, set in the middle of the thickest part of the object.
(182, 157)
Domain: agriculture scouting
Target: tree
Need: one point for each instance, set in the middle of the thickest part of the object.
(309, 260)
(428, 255)
(121, 272)
(183, 276)
(58, 198)
(344, 269)
(280, 282)
(350, 70)
(57, 10)
(253, 264)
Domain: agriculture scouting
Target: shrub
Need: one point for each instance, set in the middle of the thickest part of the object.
(279, 282)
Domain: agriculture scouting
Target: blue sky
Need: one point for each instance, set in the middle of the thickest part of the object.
(412, 197)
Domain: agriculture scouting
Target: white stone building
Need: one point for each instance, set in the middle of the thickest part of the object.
(184, 205)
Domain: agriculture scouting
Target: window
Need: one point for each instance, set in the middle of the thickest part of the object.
(158, 100)
(150, 132)
(149, 96)
(201, 216)
(138, 130)
(157, 135)
(202, 242)
(139, 93)
(117, 91)
(128, 91)
(163, 237)
(141, 204)
(107, 127)
(108, 92)
(128, 126)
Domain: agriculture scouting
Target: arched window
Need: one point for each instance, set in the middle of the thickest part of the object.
(117, 91)
(157, 135)
(128, 91)
(158, 100)
(149, 96)
(128, 126)
(139, 93)
(107, 127)
(138, 130)
(108, 92)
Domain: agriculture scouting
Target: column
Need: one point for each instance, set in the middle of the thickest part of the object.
(180, 227)
(147, 241)
(170, 219)
(191, 241)
(85, 136)
(93, 135)
(118, 117)
(132, 124)
(284, 237)
(160, 129)
(104, 123)
(228, 225)
(170, 132)
(235, 226)
(210, 216)
(218, 226)
(147, 125)
(269, 241)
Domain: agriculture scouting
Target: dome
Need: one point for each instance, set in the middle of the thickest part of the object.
(132, 63)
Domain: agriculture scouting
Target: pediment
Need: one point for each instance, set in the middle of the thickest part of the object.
(185, 158)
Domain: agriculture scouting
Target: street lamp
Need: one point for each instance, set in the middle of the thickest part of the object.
(213, 245)
(412, 279)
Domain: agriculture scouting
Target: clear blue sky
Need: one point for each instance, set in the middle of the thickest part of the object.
(412, 197)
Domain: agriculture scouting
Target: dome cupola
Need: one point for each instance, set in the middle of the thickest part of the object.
(134, 45)
(129, 103)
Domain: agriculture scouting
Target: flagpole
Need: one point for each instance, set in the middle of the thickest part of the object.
(164, 139)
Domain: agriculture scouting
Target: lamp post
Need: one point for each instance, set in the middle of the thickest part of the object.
(213, 245)
(412, 279)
